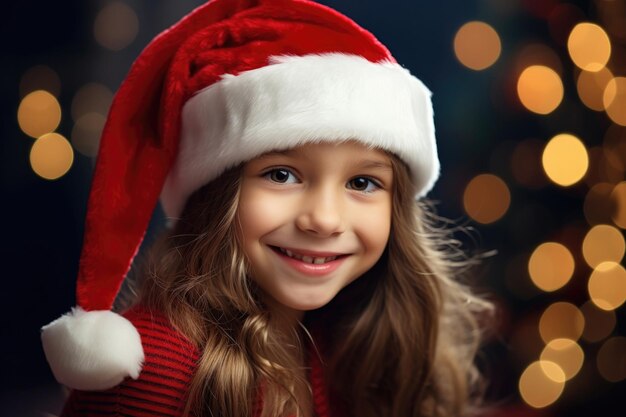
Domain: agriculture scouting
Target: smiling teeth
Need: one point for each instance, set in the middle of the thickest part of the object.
(307, 259)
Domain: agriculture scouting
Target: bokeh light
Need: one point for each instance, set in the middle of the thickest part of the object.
(603, 243)
(566, 353)
(86, 133)
(611, 359)
(541, 383)
(39, 113)
(591, 86)
(477, 45)
(598, 206)
(599, 324)
(51, 156)
(589, 46)
(601, 169)
(91, 98)
(486, 198)
(565, 159)
(116, 26)
(607, 285)
(614, 147)
(40, 77)
(551, 266)
(618, 197)
(540, 89)
(614, 100)
(561, 320)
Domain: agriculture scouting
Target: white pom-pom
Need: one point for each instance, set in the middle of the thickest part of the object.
(92, 350)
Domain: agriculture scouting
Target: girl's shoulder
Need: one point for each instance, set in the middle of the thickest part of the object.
(161, 389)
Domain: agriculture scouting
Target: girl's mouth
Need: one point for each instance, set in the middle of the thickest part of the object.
(307, 259)
(315, 260)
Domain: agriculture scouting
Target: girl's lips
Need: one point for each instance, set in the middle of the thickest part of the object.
(311, 269)
(304, 252)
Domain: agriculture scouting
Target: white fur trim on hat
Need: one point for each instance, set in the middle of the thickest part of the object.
(299, 99)
(92, 350)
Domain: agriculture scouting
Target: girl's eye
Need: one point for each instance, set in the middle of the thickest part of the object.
(363, 184)
(281, 176)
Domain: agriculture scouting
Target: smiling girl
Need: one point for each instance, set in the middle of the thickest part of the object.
(299, 275)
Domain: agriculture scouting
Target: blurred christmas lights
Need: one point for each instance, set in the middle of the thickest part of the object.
(567, 354)
(607, 285)
(611, 359)
(561, 320)
(540, 89)
(39, 113)
(589, 46)
(477, 45)
(116, 26)
(565, 159)
(486, 198)
(541, 383)
(51, 156)
(599, 323)
(551, 266)
(603, 243)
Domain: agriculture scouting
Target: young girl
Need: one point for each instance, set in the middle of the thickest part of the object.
(299, 275)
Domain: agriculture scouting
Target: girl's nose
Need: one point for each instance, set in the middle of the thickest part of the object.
(322, 214)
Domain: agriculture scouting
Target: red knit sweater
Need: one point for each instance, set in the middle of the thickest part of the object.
(161, 389)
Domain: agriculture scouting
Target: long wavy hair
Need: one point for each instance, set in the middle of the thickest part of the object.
(402, 338)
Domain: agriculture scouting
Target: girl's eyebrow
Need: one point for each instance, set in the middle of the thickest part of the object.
(374, 164)
(286, 152)
(361, 164)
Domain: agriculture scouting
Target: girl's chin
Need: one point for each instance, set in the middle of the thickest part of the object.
(297, 307)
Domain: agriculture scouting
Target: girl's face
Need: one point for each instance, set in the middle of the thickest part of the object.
(313, 219)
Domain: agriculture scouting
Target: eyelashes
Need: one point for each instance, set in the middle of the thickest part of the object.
(281, 176)
(361, 183)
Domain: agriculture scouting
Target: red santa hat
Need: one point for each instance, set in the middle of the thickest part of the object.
(232, 80)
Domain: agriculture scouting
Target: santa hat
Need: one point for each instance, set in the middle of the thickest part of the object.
(232, 80)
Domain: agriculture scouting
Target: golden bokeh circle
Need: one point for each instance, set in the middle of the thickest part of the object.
(611, 359)
(598, 206)
(607, 285)
(591, 85)
(486, 198)
(541, 383)
(567, 354)
(618, 196)
(561, 320)
(116, 26)
(589, 46)
(39, 113)
(477, 45)
(86, 134)
(540, 89)
(603, 243)
(551, 266)
(565, 160)
(91, 98)
(51, 156)
(614, 100)
(599, 323)
(40, 77)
